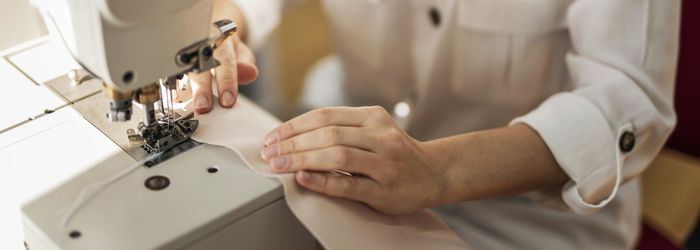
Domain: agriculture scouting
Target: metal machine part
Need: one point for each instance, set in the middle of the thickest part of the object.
(148, 96)
(120, 104)
(200, 56)
(110, 38)
(157, 133)
(76, 78)
(162, 136)
(89, 102)
(167, 131)
(175, 35)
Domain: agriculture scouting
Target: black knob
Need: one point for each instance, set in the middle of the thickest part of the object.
(208, 51)
(185, 58)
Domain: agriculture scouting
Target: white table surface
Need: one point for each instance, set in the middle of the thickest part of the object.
(39, 154)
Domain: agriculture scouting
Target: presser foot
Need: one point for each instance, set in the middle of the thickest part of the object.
(167, 139)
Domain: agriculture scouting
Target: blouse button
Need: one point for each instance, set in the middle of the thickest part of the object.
(627, 141)
(435, 16)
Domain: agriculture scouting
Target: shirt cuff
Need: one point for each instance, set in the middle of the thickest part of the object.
(584, 145)
(262, 17)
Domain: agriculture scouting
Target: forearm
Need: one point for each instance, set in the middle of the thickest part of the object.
(493, 163)
(227, 9)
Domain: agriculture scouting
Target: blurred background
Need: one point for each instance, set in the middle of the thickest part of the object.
(671, 185)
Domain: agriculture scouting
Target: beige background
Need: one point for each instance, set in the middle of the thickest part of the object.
(20, 22)
(303, 39)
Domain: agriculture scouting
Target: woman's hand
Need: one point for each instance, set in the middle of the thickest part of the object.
(392, 172)
(237, 63)
(237, 67)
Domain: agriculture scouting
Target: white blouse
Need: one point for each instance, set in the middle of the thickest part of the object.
(594, 78)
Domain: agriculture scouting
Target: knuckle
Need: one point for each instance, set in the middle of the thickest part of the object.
(288, 146)
(297, 161)
(380, 114)
(225, 52)
(326, 186)
(346, 186)
(376, 109)
(393, 136)
(203, 92)
(230, 55)
(380, 111)
(342, 156)
(228, 79)
(293, 145)
(334, 135)
(324, 115)
(301, 160)
(286, 129)
(201, 87)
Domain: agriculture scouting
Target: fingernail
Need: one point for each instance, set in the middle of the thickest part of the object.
(306, 176)
(280, 163)
(271, 139)
(227, 99)
(269, 152)
(202, 102)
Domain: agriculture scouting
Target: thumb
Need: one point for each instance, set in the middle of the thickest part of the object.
(247, 71)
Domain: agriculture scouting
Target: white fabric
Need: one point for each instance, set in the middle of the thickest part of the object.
(336, 223)
(579, 72)
(321, 86)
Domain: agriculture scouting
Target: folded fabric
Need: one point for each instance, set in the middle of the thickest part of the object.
(336, 223)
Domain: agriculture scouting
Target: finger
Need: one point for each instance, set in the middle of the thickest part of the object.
(348, 187)
(226, 74)
(322, 138)
(347, 159)
(247, 71)
(201, 86)
(335, 116)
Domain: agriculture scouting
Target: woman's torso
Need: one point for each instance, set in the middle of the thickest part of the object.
(466, 65)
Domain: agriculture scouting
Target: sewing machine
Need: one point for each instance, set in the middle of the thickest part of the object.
(105, 160)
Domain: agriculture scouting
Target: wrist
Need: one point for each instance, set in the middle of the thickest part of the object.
(437, 158)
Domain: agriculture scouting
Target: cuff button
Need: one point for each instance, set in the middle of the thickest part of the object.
(627, 141)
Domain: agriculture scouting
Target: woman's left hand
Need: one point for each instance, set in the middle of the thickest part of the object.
(392, 172)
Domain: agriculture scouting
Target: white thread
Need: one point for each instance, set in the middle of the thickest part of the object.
(90, 191)
(618, 166)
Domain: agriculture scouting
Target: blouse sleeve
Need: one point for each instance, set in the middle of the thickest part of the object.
(618, 116)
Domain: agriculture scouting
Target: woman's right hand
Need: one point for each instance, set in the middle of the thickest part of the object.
(237, 64)
(237, 67)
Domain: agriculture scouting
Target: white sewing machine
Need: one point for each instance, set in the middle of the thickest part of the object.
(69, 161)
